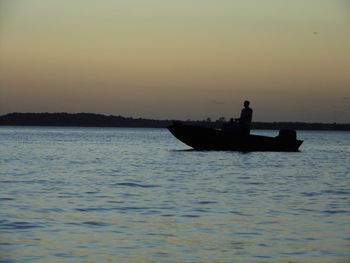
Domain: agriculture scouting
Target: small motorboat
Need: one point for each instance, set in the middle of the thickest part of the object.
(203, 138)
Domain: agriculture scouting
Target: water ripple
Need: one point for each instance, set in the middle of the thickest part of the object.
(19, 225)
(137, 185)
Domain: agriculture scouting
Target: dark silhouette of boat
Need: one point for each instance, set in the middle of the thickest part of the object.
(203, 138)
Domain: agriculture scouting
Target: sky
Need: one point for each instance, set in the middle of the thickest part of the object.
(183, 59)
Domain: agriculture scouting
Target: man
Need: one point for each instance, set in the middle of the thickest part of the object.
(245, 119)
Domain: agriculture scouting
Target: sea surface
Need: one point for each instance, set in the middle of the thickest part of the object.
(140, 195)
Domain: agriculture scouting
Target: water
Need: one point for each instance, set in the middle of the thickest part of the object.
(137, 195)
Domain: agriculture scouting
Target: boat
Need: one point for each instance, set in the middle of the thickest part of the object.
(204, 138)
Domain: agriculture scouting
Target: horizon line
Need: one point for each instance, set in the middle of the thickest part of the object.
(171, 119)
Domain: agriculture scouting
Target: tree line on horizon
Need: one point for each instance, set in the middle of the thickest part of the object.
(100, 120)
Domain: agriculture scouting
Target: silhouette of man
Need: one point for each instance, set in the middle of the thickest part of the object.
(245, 119)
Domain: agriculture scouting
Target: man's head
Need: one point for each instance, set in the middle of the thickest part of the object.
(246, 104)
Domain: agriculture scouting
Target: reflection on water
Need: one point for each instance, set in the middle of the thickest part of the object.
(132, 195)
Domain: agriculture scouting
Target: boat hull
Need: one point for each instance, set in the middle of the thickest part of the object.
(202, 138)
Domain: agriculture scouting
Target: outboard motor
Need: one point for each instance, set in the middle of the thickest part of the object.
(287, 134)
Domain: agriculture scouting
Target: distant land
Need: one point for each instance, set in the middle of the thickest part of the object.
(100, 120)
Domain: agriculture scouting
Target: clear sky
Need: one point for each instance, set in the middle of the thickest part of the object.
(183, 59)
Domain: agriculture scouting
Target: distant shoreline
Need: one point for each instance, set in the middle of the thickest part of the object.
(100, 120)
